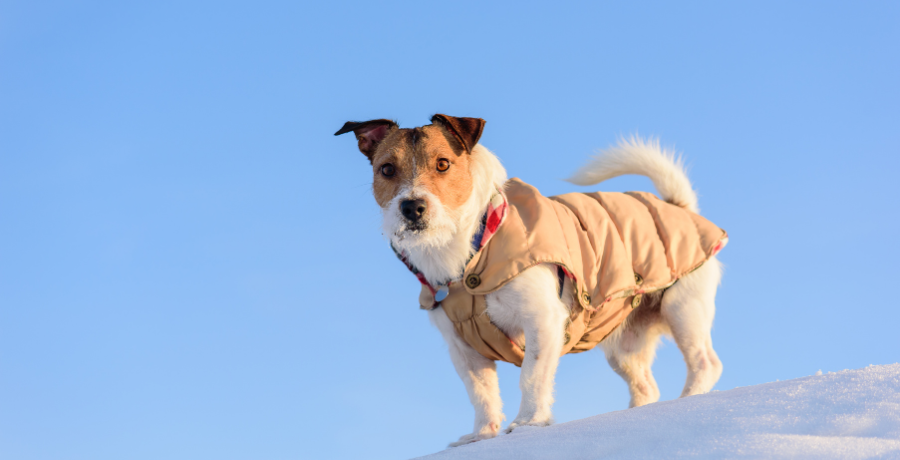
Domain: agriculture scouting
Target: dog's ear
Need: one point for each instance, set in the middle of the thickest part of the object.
(368, 133)
(466, 130)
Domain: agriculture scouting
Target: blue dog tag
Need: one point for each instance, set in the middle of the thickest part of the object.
(441, 293)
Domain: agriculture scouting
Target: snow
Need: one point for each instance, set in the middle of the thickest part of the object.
(852, 414)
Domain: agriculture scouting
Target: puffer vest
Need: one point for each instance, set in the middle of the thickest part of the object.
(615, 247)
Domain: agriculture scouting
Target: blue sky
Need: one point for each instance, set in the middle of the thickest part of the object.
(191, 264)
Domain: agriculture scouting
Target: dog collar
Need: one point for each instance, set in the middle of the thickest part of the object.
(493, 217)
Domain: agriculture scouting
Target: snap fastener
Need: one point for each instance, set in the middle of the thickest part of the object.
(636, 301)
(638, 279)
(473, 281)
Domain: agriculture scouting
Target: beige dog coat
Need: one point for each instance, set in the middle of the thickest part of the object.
(614, 247)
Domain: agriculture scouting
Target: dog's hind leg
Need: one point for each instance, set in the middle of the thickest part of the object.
(688, 308)
(531, 302)
(479, 375)
(631, 349)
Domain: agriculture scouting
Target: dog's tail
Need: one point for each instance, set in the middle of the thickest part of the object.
(646, 158)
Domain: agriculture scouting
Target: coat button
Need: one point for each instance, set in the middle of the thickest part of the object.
(473, 281)
(638, 279)
(636, 301)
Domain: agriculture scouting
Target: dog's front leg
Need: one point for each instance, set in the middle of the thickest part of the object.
(479, 374)
(530, 303)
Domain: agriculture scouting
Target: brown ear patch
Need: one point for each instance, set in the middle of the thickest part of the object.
(368, 133)
(466, 130)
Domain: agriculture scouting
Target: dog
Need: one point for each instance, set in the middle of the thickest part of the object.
(434, 183)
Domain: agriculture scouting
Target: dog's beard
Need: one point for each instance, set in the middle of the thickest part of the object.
(433, 232)
(440, 244)
(416, 227)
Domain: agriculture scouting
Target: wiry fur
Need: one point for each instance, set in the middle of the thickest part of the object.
(529, 310)
(637, 156)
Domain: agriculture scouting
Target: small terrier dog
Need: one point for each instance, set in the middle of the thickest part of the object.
(434, 183)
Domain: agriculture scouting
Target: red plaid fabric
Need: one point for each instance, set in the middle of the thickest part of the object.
(493, 217)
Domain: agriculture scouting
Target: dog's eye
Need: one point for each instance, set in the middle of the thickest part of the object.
(443, 164)
(387, 170)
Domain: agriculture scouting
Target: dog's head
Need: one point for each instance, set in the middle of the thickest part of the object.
(427, 180)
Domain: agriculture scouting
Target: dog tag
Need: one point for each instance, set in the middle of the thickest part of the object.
(441, 293)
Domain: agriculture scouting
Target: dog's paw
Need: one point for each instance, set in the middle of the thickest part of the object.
(527, 423)
(487, 432)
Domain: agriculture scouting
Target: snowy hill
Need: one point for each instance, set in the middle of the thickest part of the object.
(843, 415)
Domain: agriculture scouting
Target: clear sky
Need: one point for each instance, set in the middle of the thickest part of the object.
(191, 265)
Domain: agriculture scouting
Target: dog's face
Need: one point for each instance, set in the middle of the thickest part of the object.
(421, 176)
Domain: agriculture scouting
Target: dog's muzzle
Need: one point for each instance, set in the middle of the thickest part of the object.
(414, 212)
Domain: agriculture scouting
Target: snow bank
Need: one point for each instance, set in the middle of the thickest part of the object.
(843, 415)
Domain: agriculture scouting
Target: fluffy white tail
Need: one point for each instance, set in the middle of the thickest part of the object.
(645, 158)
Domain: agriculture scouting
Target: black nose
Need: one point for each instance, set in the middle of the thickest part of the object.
(412, 210)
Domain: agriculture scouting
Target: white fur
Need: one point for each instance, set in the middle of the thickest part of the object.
(637, 156)
(530, 306)
(686, 314)
(529, 310)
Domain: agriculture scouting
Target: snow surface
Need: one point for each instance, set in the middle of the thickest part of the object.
(852, 414)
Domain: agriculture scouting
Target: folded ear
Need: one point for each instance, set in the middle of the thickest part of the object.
(466, 130)
(368, 133)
